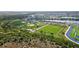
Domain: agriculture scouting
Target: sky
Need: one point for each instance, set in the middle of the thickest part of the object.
(39, 5)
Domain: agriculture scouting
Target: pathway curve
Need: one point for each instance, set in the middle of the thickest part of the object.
(67, 34)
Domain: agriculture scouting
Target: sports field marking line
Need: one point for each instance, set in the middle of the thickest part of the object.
(68, 37)
(39, 28)
(42, 27)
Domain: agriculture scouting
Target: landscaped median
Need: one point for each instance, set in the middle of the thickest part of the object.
(72, 34)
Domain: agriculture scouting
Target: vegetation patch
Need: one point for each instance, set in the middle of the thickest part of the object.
(75, 32)
(15, 32)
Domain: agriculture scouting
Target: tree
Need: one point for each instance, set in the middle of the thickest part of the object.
(5, 26)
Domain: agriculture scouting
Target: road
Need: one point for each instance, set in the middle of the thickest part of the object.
(63, 21)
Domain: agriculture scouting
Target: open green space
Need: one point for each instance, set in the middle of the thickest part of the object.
(57, 31)
(75, 32)
(53, 29)
(16, 31)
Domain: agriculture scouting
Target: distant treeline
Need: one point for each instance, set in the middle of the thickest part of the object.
(11, 17)
(36, 17)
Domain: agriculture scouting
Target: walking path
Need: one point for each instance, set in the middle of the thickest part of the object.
(41, 27)
(38, 28)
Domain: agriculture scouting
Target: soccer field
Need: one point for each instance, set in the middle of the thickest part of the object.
(56, 29)
(51, 28)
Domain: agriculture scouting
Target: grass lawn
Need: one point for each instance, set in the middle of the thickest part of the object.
(75, 32)
(51, 29)
(55, 29)
(72, 34)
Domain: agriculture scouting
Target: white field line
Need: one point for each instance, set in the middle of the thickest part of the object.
(41, 27)
(38, 28)
(68, 37)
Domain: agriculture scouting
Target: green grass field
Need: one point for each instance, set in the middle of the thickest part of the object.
(56, 30)
(51, 29)
(75, 32)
